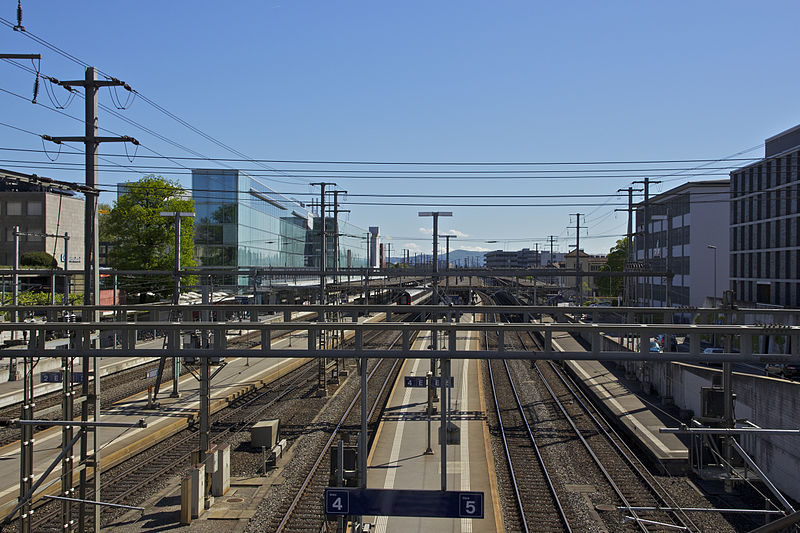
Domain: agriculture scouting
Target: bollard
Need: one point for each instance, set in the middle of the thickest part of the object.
(186, 506)
(198, 490)
(150, 397)
(221, 479)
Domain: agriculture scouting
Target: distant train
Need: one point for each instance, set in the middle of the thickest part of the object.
(418, 296)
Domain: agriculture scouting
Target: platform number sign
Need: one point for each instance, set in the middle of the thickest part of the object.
(470, 505)
(337, 502)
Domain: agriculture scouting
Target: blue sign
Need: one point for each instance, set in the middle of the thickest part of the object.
(389, 502)
(470, 505)
(416, 381)
(337, 501)
(152, 373)
(50, 377)
(437, 382)
(55, 377)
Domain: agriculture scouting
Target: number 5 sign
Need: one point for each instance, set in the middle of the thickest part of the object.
(337, 501)
(470, 505)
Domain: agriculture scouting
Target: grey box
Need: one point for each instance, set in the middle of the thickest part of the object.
(265, 433)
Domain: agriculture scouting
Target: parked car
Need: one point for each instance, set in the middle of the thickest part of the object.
(713, 349)
(655, 347)
(784, 370)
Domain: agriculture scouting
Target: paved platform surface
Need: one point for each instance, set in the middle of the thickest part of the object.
(11, 391)
(620, 401)
(174, 414)
(397, 459)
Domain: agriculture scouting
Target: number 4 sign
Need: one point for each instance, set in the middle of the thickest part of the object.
(337, 502)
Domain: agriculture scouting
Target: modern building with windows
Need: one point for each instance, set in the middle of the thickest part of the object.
(241, 222)
(685, 231)
(525, 258)
(40, 208)
(765, 225)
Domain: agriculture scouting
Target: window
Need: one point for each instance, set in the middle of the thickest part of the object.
(14, 208)
(34, 208)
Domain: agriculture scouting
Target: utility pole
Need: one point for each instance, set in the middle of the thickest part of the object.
(631, 249)
(90, 388)
(323, 385)
(336, 212)
(578, 287)
(646, 215)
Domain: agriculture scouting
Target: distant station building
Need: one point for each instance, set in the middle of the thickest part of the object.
(40, 206)
(241, 222)
(588, 263)
(685, 232)
(525, 258)
(765, 225)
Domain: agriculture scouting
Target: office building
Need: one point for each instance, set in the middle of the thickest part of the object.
(765, 225)
(524, 258)
(685, 231)
(40, 207)
(241, 222)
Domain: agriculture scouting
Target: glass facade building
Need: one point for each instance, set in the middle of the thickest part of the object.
(241, 222)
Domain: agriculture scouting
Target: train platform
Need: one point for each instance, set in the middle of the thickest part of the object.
(397, 459)
(618, 399)
(11, 391)
(237, 377)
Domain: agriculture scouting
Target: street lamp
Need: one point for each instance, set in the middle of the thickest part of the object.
(714, 296)
(447, 256)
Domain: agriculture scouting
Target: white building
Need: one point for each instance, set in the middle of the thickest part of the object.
(687, 233)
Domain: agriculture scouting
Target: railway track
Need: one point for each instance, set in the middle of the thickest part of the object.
(122, 484)
(538, 504)
(127, 479)
(305, 511)
(625, 474)
(605, 459)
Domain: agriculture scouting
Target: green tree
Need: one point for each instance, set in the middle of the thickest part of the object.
(144, 240)
(615, 262)
(38, 259)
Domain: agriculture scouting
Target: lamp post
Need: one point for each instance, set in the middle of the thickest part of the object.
(714, 296)
(447, 256)
(444, 363)
(176, 291)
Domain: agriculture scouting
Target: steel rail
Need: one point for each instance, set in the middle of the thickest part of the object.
(625, 456)
(512, 473)
(138, 466)
(655, 488)
(540, 459)
(307, 481)
(550, 484)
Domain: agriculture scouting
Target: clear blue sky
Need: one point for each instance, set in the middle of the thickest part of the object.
(425, 82)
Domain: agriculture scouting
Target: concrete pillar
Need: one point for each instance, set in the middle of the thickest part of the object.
(221, 479)
(198, 490)
(186, 503)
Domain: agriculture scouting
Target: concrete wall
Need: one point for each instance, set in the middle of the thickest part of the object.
(709, 224)
(767, 402)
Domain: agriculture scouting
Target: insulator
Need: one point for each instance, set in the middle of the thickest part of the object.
(35, 89)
